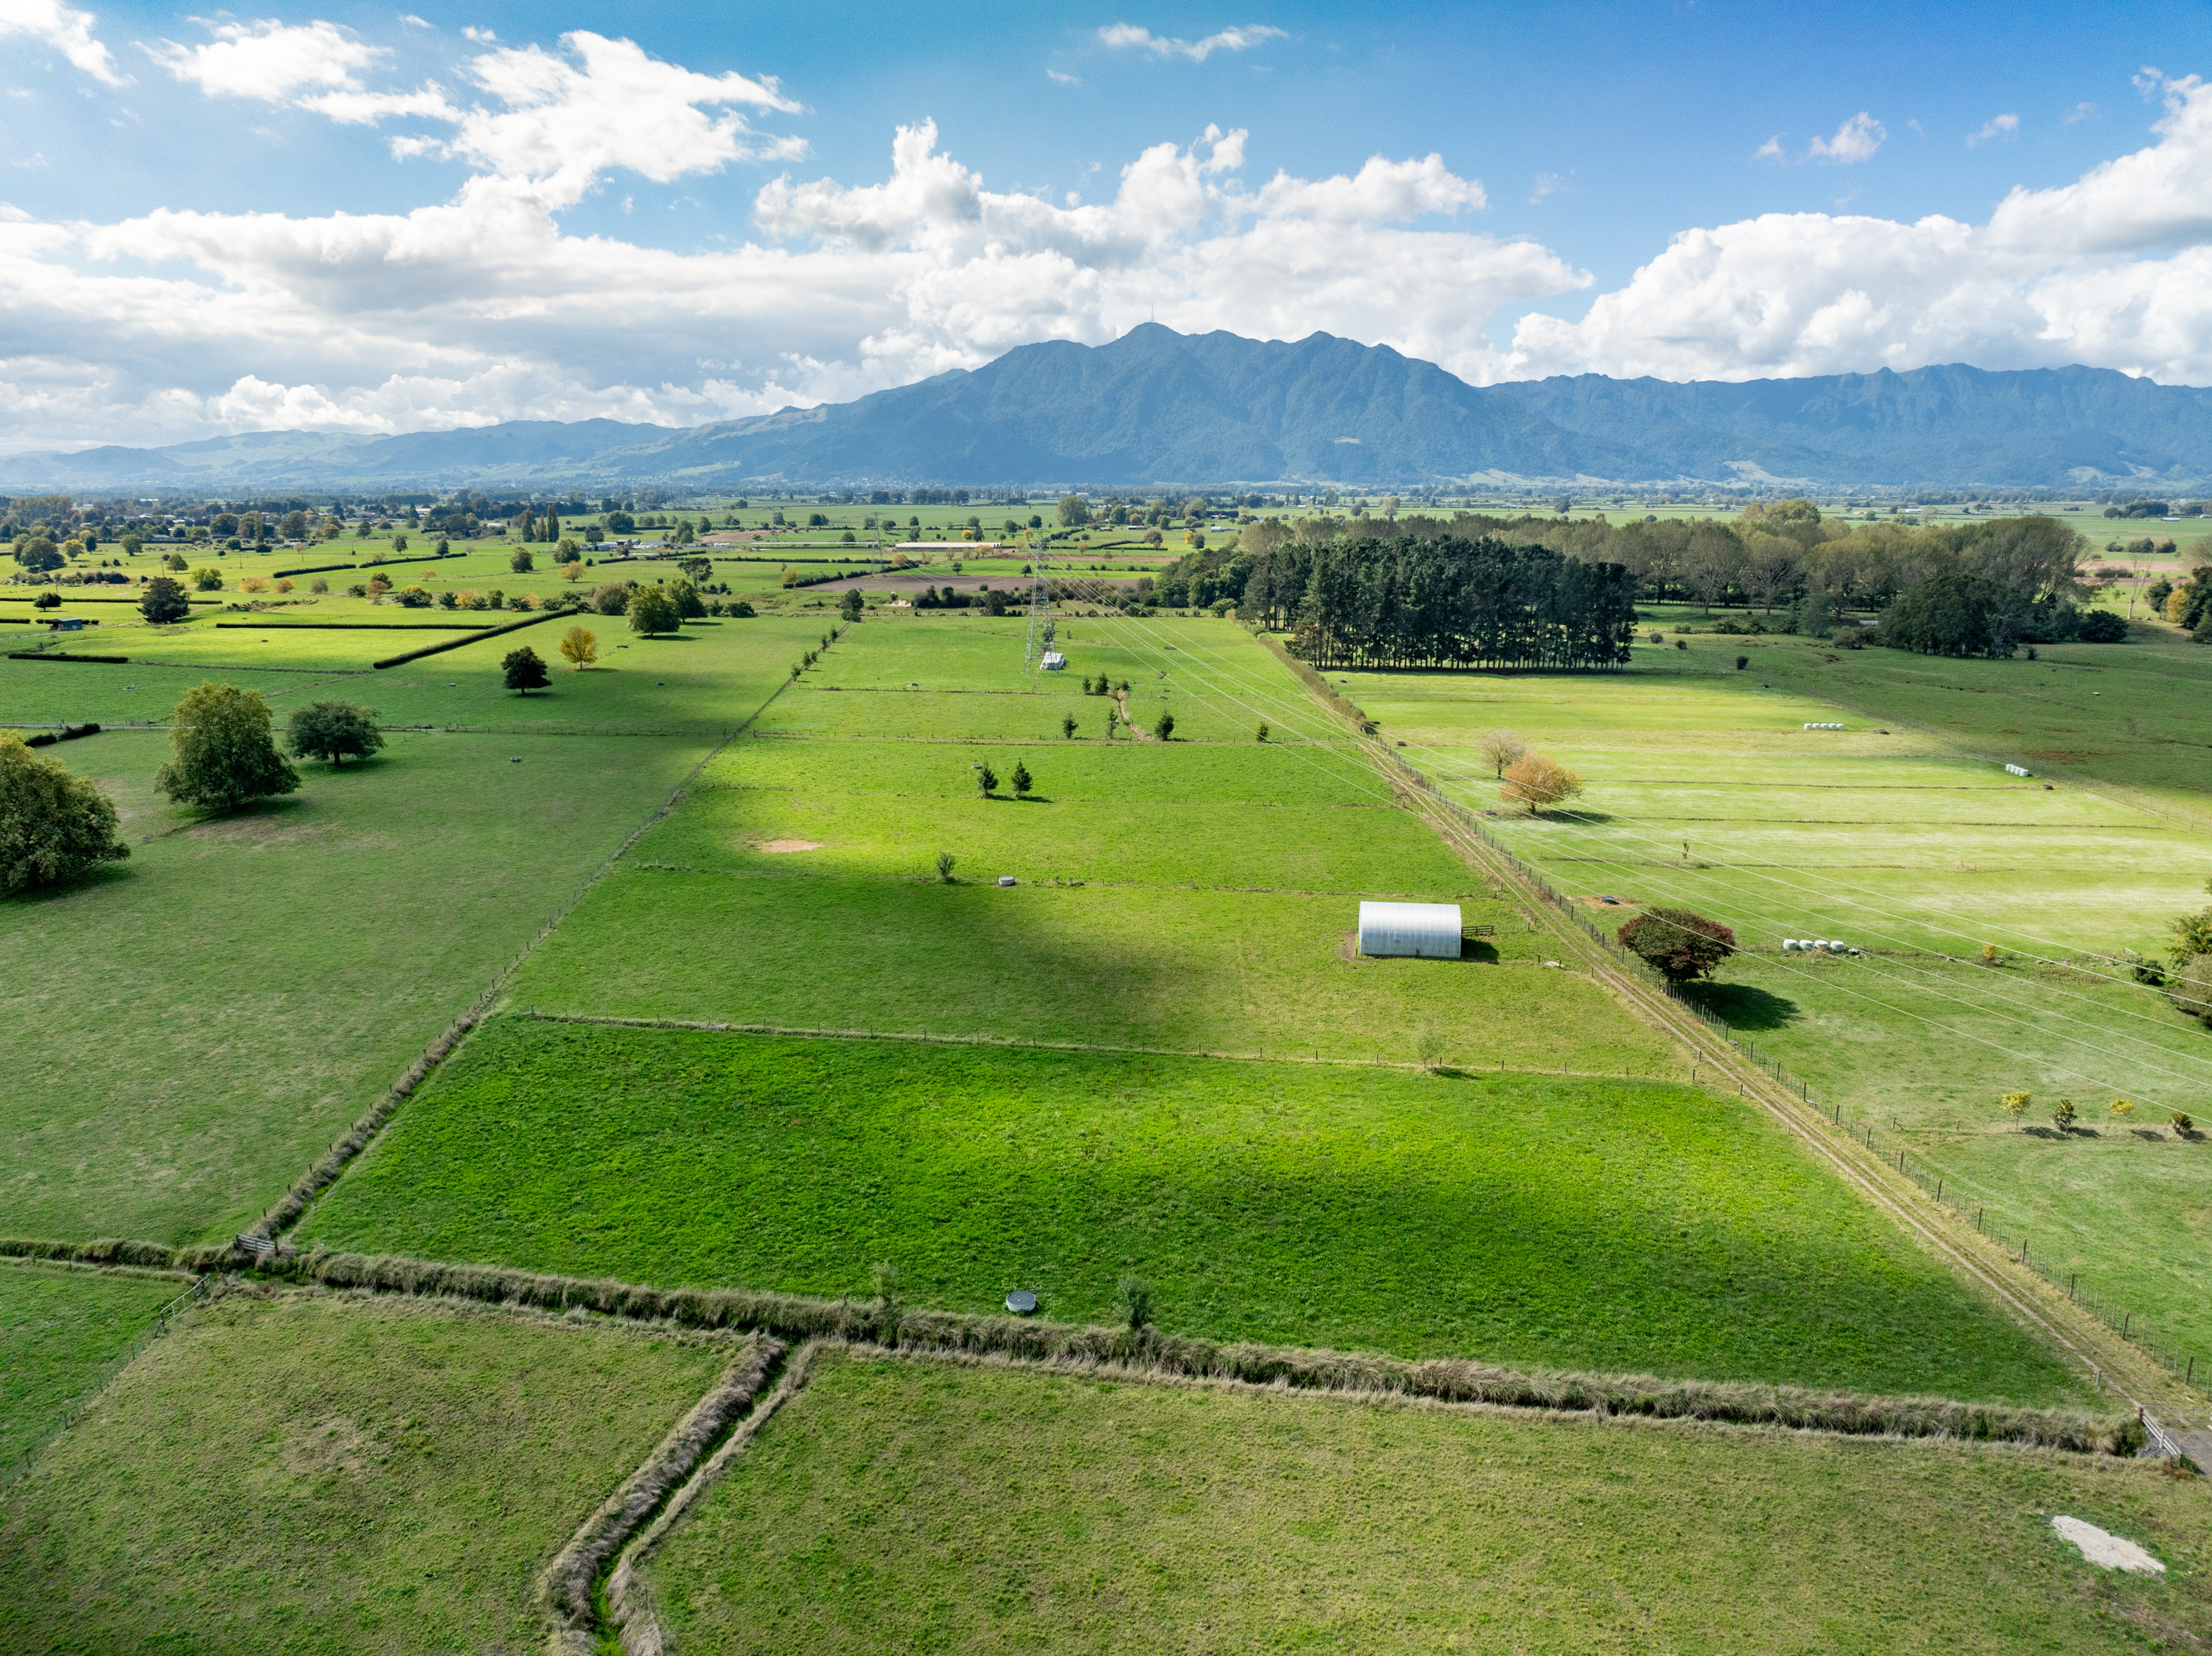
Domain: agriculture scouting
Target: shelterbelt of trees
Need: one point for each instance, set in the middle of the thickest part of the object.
(1389, 588)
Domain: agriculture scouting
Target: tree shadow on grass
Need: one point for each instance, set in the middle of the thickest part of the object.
(1740, 1005)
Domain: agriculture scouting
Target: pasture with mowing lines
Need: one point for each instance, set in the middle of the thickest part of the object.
(1916, 845)
(1567, 1224)
(898, 1505)
(60, 1330)
(305, 1473)
(1190, 894)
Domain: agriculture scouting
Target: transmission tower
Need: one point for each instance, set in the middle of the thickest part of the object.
(1041, 623)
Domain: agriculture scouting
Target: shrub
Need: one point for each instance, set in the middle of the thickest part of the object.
(521, 563)
(525, 671)
(335, 731)
(2181, 1121)
(1679, 945)
(945, 860)
(163, 602)
(1741, 661)
(2063, 1112)
(2123, 1107)
(1068, 726)
(223, 753)
(610, 599)
(413, 598)
(1022, 779)
(2102, 627)
(208, 581)
(743, 611)
(2188, 986)
(1135, 1297)
(54, 825)
(1165, 729)
(253, 583)
(1259, 733)
(2016, 1104)
(986, 779)
(1536, 780)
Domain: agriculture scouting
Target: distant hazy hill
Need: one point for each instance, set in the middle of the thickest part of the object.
(1157, 407)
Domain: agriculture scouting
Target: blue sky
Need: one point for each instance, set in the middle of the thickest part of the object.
(216, 221)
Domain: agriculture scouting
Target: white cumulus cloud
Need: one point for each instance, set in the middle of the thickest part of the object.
(2111, 271)
(1130, 36)
(66, 29)
(1856, 140)
(1997, 126)
(270, 60)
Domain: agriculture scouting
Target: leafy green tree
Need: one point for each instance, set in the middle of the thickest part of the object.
(525, 671)
(579, 647)
(2063, 1112)
(852, 605)
(336, 730)
(1165, 729)
(176, 562)
(1074, 511)
(1022, 779)
(1113, 718)
(1681, 945)
(163, 602)
(37, 555)
(399, 542)
(652, 611)
(53, 825)
(522, 562)
(1261, 734)
(208, 581)
(1067, 725)
(223, 754)
(611, 599)
(986, 779)
(689, 606)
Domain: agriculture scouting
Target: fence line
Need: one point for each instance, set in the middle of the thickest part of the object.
(2130, 1325)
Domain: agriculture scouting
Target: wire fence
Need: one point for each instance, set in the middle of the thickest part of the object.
(156, 1325)
(2129, 1324)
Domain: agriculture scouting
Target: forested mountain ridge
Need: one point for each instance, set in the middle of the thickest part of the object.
(1156, 407)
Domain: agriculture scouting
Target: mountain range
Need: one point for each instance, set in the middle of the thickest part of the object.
(1159, 408)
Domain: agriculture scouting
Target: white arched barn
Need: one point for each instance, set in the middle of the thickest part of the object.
(1430, 930)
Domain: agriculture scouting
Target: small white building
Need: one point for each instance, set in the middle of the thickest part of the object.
(1054, 661)
(1430, 930)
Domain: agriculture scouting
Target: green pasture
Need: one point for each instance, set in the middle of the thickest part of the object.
(912, 1505)
(1521, 1219)
(1234, 818)
(1182, 913)
(1916, 845)
(1924, 1051)
(307, 1474)
(206, 1017)
(61, 1331)
(1146, 966)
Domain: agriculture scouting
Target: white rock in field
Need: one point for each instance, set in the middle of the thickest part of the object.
(2105, 1550)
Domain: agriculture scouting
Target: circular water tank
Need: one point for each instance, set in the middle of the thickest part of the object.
(1021, 1303)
